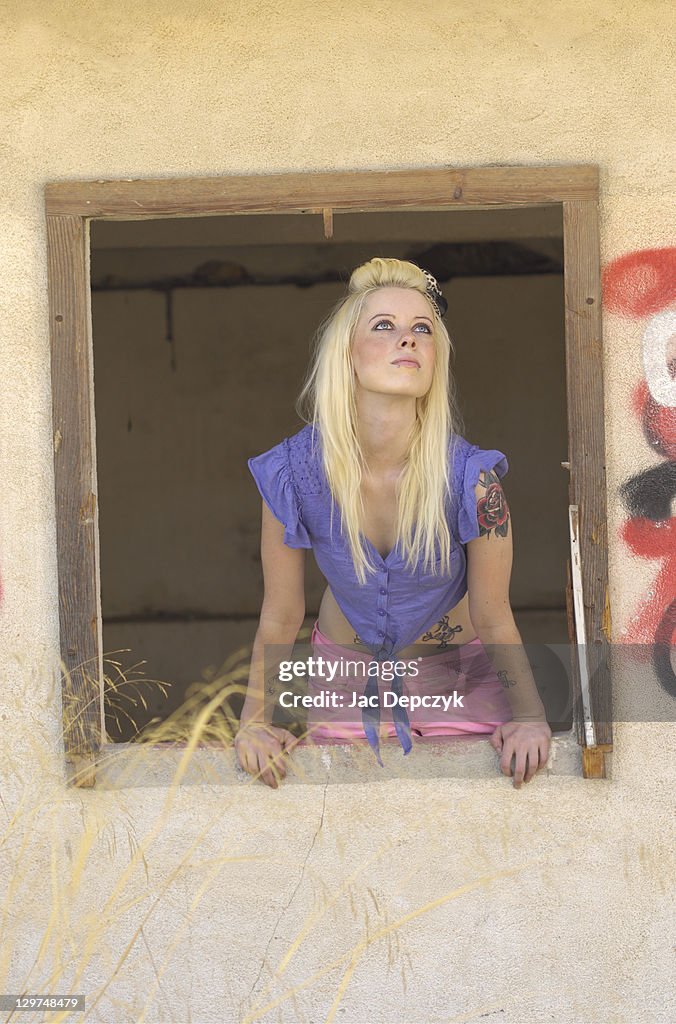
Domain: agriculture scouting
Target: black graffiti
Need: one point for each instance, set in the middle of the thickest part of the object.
(663, 649)
(650, 494)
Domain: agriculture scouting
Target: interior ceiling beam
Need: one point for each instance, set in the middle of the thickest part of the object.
(445, 260)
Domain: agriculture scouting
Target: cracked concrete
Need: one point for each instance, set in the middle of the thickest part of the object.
(292, 897)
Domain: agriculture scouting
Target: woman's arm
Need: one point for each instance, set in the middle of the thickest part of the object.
(258, 743)
(489, 567)
(282, 611)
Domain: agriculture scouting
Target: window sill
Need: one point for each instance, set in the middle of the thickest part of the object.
(130, 765)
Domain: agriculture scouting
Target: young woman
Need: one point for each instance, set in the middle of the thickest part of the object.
(410, 526)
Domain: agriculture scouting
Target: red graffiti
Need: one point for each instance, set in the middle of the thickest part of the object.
(655, 540)
(643, 284)
(658, 421)
(640, 283)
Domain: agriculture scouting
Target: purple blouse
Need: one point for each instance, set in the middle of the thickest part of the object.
(395, 605)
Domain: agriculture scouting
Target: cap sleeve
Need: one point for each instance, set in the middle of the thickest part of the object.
(272, 474)
(477, 460)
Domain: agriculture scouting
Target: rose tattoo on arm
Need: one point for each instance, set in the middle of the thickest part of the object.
(492, 509)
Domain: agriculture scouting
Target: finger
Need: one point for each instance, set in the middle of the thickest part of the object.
(496, 739)
(519, 768)
(276, 761)
(533, 764)
(243, 756)
(259, 761)
(246, 748)
(508, 753)
(267, 775)
(277, 764)
(257, 758)
(544, 752)
(275, 752)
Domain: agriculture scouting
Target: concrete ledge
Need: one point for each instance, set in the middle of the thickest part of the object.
(129, 765)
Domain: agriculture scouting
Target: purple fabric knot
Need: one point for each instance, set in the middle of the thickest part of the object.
(370, 716)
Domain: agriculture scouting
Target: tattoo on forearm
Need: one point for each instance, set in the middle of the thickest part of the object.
(506, 682)
(443, 632)
(492, 508)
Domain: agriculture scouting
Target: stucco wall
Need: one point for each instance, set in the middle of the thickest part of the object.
(406, 899)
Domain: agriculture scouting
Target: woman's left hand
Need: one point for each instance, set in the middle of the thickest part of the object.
(528, 743)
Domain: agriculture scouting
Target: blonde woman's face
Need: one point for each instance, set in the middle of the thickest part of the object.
(392, 335)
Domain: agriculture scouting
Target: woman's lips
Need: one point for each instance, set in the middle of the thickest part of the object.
(407, 362)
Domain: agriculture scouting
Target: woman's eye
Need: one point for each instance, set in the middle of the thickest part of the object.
(381, 322)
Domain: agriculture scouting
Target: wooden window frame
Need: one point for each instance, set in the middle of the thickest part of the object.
(71, 205)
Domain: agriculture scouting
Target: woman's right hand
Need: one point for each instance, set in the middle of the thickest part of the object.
(263, 749)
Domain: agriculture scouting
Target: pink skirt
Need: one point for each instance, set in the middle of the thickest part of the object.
(463, 674)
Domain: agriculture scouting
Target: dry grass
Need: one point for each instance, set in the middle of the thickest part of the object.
(41, 861)
(45, 865)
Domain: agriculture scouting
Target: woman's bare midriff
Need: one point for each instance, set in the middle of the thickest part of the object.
(453, 629)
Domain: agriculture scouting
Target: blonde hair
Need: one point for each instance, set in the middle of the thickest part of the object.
(327, 401)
